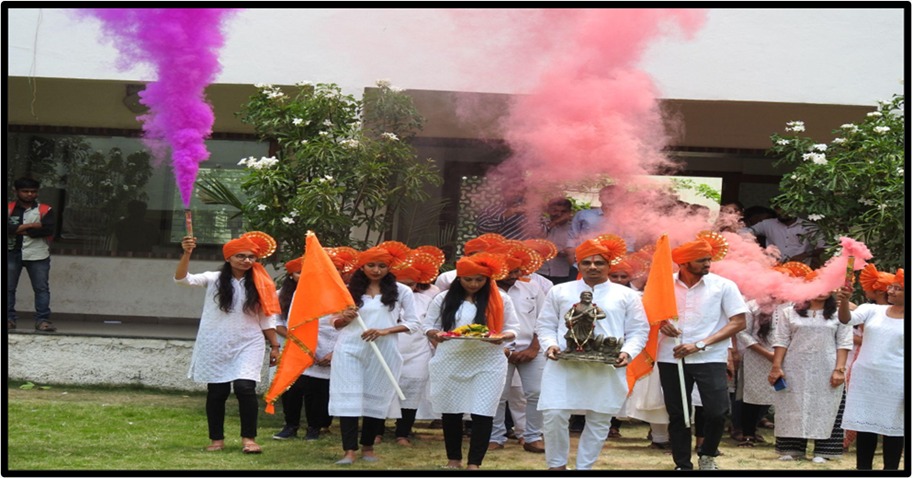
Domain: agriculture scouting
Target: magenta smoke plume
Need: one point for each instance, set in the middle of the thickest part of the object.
(182, 45)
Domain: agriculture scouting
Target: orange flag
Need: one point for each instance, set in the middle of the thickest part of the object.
(320, 292)
(659, 302)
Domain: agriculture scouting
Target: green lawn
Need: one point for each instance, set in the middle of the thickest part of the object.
(65, 428)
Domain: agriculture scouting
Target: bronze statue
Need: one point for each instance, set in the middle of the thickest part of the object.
(583, 344)
(580, 320)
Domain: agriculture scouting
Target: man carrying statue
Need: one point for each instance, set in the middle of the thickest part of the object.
(586, 314)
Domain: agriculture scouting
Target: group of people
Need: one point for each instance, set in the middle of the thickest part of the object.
(795, 357)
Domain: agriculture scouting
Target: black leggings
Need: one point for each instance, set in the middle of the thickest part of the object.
(217, 395)
(866, 443)
(348, 426)
(750, 416)
(478, 442)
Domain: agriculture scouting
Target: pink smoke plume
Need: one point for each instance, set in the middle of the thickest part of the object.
(182, 45)
(751, 267)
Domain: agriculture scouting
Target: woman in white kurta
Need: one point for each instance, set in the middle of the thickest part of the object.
(230, 344)
(876, 399)
(755, 345)
(596, 390)
(358, 384)
(810, 350)
(468, 376)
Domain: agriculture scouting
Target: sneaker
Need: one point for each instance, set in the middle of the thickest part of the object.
(707, 463)
(312, 434)
(819, 459)
(286, 433)
(786, 458)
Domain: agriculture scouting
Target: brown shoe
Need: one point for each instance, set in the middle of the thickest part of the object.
(534, 447)
(45, 326)
(495, 446)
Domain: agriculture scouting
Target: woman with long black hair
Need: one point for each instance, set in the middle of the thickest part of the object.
(358, 385)
(810, 350)
(467, 376)
(239, 316)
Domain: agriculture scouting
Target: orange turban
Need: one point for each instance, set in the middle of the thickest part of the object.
(624, 266)
(900, 278)
(871, 279)
(409, 273)
(343, 258)
(475, 245)
(240, 244)
(374, 254)
(691, 251)
(592, 248)
(265, 286)
(293, 265)
(493, 267)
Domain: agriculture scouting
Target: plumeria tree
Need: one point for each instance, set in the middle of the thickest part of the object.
(854, 186)
(328, 172)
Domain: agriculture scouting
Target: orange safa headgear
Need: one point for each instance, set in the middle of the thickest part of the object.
(592, 248)
(691, 251)
(294, 265)
(493, 266)
(265, 286)
(871, 279)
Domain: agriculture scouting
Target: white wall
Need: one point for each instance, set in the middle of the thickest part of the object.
(837, 55)
(108, 286)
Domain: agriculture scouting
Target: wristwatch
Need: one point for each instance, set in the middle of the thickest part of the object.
(701, 346)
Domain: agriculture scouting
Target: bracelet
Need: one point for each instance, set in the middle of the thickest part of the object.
(274, 346)
(840, 370)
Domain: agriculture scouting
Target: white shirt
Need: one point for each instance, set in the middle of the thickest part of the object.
(702, 310)
(527, 302)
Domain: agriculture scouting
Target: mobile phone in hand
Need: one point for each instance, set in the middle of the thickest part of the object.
(780, 384)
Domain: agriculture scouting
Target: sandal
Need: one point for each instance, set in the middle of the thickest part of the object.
(252, 448)
(614, 433)
(748, 442)
(216, 447)
(45, 326)
(403, 441)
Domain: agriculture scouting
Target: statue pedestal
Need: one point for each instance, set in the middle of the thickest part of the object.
(594, 357)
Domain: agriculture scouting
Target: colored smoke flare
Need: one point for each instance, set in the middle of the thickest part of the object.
(182, 46)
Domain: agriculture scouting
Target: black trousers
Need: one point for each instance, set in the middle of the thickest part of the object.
(866, 443)
(404, 425)
(478, 442)
(712, 382)
(750, 417)
(311, 395)
(216, 396)
(370, 428)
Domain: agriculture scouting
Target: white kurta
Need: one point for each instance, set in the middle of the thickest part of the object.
(229, 345)
(755, 386)
(876, 399)
(326, 343)
(584, 386)
(416, 353)
(807, 408)
(358, 385)
(467, 376)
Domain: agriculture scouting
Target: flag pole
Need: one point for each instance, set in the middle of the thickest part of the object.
(389, 373)
(683, 388)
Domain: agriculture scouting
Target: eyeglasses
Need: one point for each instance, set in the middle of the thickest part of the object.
(245, 257)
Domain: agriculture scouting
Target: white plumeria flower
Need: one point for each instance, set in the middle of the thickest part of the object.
(882, 206)
(297, 121)
(390, 136)
(815, 217)
(794, 176)
(839, 140)
(350, 143)
(303, 142)
(794, 126)
(850, 127)
(263, 86)
(323, 133)
(899, 171)
(321, 180)
(816, 158)
(866, 202)
(819, 147)
(384, 83)
(328, 178)
(273, 94)
(327, 122)
(243, 162)
(293, 213)
(262, 207)
(875, 114)
(288, 220)
(783, 142)
(881, 129)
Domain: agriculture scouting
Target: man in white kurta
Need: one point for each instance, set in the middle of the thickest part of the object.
(594, 389)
